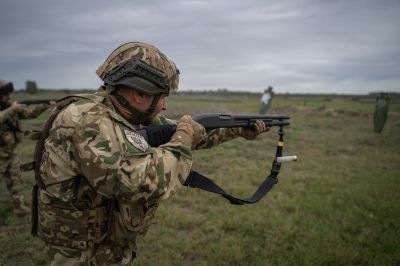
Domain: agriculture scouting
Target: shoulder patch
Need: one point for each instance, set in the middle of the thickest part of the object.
(136, 140)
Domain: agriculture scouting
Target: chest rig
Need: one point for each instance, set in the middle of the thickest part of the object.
(75, 223)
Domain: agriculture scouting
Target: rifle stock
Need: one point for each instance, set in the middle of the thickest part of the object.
(158, 135)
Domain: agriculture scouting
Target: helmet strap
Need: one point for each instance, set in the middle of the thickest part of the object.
(138, 117)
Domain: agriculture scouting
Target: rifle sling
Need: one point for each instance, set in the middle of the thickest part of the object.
(197, 180)
(37, 163)
(40, 147)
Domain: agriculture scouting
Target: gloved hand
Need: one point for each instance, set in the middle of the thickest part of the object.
(250, 134)
(16, 107)
(52, 104)
(189, 132)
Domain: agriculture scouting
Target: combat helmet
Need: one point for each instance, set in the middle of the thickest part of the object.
(143, 67)
(6, 87)
(140, 66)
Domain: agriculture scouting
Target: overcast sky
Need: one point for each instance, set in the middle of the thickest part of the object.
(342, 46)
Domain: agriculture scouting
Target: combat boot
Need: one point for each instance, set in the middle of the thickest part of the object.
(20, 208)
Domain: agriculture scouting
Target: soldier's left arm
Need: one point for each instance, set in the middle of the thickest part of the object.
(32, 111)
(214, 137)
(220, 135)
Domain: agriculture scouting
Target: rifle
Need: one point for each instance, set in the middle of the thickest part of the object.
(158, 135)
(31, 102)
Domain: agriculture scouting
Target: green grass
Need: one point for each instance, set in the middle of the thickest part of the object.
(338, 205)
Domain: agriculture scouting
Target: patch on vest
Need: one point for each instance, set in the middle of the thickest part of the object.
(136, 140)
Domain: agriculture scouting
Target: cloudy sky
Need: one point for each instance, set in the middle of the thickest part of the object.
(342, 46)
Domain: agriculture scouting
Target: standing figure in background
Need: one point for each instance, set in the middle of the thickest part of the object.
(381, 112)
(265, 101)
(10, 136)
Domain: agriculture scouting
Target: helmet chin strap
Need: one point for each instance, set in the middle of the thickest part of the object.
(138, 116)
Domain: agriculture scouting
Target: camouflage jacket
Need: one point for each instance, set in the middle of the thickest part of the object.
(10, 130)
(103, 183)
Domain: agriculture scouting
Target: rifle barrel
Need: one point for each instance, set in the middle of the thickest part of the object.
(213, 121)
(31, 102)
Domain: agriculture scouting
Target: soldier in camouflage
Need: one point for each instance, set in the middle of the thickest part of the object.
(10, 136)
(265, 101)
(98, 181)
(381, 112)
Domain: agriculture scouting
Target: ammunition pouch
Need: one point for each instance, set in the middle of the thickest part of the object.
(69, 224)
(129, 219)
(73, 225)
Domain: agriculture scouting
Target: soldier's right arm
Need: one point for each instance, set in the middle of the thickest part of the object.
(6, 114)
(10, 111)
(117, 163)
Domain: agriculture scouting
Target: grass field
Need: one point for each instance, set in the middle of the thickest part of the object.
(338, 205)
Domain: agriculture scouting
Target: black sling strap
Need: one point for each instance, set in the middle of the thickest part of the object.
(197, 180)
(37, 162)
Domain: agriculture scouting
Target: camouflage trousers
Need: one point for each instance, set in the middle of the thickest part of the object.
(104, 255)
(10, 171)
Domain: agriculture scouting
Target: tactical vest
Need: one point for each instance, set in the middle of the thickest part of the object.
(74, 224)
(10, 132)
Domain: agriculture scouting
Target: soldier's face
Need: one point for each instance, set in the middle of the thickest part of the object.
(5, 98)
(142, 102)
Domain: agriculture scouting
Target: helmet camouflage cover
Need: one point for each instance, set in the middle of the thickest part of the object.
(140, 66)
(6, 87)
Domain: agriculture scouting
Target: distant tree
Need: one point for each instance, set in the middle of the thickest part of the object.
(31, 87)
